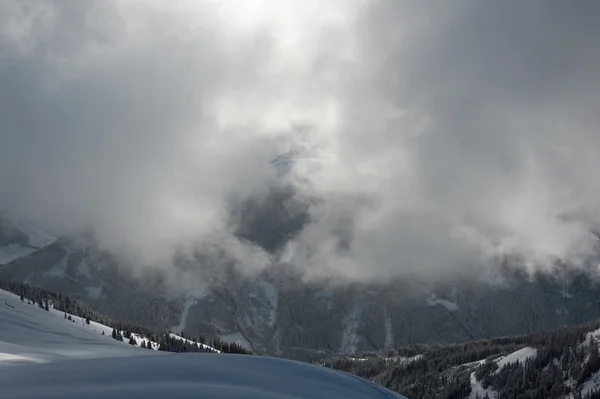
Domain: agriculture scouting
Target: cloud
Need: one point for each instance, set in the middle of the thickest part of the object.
(478, 118)
(431, 138)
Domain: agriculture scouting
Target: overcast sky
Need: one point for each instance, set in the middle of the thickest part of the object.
(437, 135)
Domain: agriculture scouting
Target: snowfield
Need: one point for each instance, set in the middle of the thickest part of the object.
(44, 355)
(519, 356)
(184, 376)
(478, 391)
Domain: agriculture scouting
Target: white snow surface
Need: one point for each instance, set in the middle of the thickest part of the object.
(186, 308)
(433, 301)
(184, 376)
(12, 252)
(477, 389)
(593, 384)
(204, 346)
(31, 334)
(390, 360)
(519, 356)
(43, 355)
(410, 359)
(591, 335)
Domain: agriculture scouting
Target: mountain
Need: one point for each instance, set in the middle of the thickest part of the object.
(564, 363)
(14, 243)
(75, 266)
(44, 355)
(20, 236)
(276, 312)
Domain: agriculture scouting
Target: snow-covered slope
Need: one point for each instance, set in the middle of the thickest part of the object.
(478, 391)
(14, 243)
(44, 355)
(184, 376)
(519, 356)
(31, 334)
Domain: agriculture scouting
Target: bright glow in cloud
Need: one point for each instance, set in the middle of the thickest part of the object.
(430, 138)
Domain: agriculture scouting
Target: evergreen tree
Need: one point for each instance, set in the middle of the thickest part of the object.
(87, 320)
(132, 340)
(22, 298)
(114, 333)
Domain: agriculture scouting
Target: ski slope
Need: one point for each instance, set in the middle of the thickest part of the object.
(44, 355)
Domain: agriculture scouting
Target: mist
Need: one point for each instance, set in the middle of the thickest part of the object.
(426, 139)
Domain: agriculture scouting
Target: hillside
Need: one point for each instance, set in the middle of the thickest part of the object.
(45, 355)
(278, 312)
(136, 335)
(14, 243)
(29, 334)
(560, 364)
